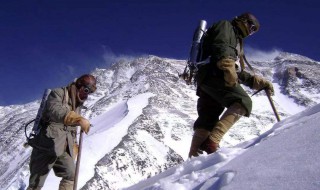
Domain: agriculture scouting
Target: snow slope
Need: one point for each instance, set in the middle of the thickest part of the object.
(285, 157)
(111, 125)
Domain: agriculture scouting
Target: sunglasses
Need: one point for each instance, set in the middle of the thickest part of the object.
(251, 27)
(87, 90)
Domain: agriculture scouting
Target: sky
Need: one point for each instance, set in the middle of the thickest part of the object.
(47, 44)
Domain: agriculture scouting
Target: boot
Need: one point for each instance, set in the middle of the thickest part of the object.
(66, 185)
(199, 136)
(209, 146)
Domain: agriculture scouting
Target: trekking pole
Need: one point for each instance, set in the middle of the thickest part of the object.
(78, 161)
(272, 105)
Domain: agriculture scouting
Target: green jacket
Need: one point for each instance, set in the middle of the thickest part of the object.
(55, 138)
(221, 41)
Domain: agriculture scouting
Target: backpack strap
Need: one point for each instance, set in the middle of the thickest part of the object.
(72, 91)
(66, 96)
(243, 57)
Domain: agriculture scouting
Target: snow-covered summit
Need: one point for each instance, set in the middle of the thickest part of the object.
(143, 116)
(285, 56)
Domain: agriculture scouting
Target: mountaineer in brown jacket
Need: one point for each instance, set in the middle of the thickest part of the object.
(54, 147)
(218, 82)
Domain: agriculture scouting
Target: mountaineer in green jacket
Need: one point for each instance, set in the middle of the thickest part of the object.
(55, 146)
(218, 82)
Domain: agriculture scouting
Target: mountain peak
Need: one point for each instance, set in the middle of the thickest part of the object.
(143, 118)
(285, 56)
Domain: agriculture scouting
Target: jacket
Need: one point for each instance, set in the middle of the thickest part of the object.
(55, 138)
(222, 41)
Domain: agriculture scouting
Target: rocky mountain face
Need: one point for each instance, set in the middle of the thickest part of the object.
(13, 156)
(298, 78)
(158, 138)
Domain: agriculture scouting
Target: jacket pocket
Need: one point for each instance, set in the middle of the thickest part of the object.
(58, 135)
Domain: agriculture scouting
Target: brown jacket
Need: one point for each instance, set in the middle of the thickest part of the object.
(56, 138)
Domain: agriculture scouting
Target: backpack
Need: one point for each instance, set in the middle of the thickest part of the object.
(36, 127)
(195, 56)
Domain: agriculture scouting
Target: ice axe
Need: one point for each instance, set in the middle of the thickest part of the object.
(270, 100)
(272, 105)
(78, 161)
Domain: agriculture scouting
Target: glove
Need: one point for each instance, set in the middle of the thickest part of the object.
(260, 83)
(85, 125)
(74, 119)
(227, 65)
